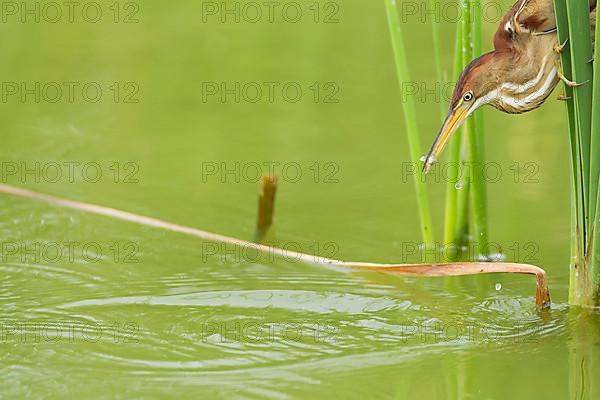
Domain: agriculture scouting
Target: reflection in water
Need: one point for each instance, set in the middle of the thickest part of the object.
(584, 354)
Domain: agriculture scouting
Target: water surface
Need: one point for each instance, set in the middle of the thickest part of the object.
(130, 311)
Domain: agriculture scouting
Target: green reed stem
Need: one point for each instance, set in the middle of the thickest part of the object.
(594, 259)
(435, 30)
(450, 219)
(476, 148)
(410, 119)
(470, 193)
(464, 187)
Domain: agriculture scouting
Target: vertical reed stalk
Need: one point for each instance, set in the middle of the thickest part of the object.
(572, 19)
(464, 186)
(466, 196)
(410, 119)
(469, 195)
(451, 217)
(476, 148)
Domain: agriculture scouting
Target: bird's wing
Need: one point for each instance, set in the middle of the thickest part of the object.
(534, 16)
(537, 15)
(527, 16)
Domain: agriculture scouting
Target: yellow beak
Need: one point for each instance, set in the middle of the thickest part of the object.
(452, 122)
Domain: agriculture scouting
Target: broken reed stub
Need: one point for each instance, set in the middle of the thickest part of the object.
(266, 205)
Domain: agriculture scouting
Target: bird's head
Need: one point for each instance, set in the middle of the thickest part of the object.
(476, 87)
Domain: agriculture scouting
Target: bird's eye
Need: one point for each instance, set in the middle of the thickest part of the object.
(468, 96)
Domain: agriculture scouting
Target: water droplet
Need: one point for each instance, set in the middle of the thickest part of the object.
(458, 186)
(431, 160)
(498, 286)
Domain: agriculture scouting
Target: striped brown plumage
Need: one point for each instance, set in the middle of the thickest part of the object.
(517, 76)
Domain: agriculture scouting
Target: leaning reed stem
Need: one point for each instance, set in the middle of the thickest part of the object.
(410, 119)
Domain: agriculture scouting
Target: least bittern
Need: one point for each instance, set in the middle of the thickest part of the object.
(516, 77)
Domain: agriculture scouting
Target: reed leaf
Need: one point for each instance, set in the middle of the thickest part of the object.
(464, 186)
(581, 54)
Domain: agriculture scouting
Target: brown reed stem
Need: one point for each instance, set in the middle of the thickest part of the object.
(542, 299)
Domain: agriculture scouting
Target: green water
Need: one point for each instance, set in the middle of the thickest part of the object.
(99, 308)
